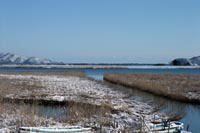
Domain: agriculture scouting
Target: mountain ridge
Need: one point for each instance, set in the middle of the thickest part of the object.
(194, 61)
(13, 59)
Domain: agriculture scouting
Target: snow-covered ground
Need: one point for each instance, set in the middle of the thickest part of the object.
(67, 88)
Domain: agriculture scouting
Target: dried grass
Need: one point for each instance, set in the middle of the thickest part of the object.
(67, 73)
(28, 115)
(168, 85)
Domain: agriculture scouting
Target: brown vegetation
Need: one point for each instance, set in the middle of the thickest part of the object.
(71, 73)
(179, 87)
(87, 103)
(25, 110)
(16, 115)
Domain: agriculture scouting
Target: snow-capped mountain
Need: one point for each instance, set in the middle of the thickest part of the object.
(195, 60)
(20, 60)
(12, 59)
(184, 61)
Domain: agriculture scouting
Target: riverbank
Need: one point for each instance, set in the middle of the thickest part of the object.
(180, 87)
(87, 102)
(101, 66)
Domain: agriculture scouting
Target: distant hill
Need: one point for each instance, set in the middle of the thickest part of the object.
(13, 59)
(186, 62)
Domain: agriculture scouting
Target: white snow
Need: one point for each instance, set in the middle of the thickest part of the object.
(195, 60)
(9, 58)
(60, 88)
(58, 98)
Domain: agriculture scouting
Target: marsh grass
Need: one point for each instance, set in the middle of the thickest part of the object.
(28, 113)
(67, 73)
(16, 86)
(169, 85)
(19, 114)
(83, 112)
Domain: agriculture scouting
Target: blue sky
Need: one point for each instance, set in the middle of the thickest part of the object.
(144, 31)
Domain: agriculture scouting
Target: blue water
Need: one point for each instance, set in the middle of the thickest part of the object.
(192, 112)
(98, 73)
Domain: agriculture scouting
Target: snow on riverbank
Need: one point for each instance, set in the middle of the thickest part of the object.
(61, 88)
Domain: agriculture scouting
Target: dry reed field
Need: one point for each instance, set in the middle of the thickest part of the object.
(15, 113)
(87, 102)
(175, 86)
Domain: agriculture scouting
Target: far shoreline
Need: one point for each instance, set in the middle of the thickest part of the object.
(65, 66)
(102, 66)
